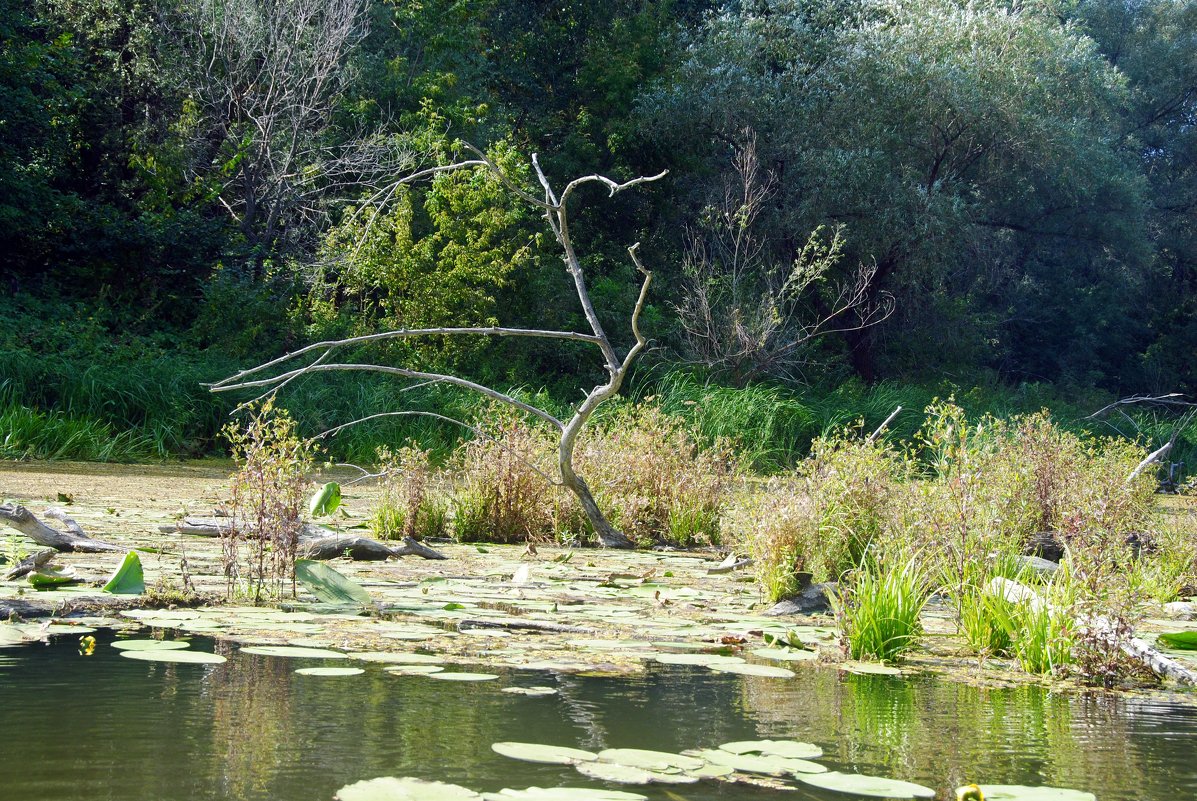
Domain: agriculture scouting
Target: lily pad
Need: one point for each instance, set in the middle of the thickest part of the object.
(389, 788)
(794, 749)
(873, 786)
(462, 676)
(767, 671)
(626, 774)
(330, 671)
(533, 692)
(397, 657)
(871, 669)
(150, 645)
(785, 654)
(293, 651)
(769, 765)
(328, 585)
(1017, 792)
(128, 578)
(52, 577)
(705, 660)
(649, 760)
(413, 670)
(177, 655)
(547, 754)
(562, 794)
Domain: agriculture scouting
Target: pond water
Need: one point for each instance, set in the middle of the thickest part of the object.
(105, 727)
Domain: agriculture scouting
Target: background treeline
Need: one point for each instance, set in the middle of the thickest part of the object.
(870, 202)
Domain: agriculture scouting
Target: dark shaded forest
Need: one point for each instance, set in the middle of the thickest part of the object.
(868, 202)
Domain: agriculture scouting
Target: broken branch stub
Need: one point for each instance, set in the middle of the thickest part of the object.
(274, 374)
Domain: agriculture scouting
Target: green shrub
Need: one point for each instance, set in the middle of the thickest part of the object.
(776, 528)
(410, 505)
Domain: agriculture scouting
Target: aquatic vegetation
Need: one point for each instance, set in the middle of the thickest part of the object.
(411, 505)
(186, 656)
(547, 754)
(267, 501)
(128, 578)
(330, 671)
(878, 607)
(873, 786)
(328, 585)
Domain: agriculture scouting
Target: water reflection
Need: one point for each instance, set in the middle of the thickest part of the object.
(251, 729)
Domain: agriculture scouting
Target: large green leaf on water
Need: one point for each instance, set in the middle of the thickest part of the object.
(462, 676)
(562, 794)
(858, 784)
(397, 657)
(766, 671)
(547, 754)
(325, 500)
(794, 749)
(649, 760)
(330, 671)
(705, 660)
(627, 774)
(128, 578)
(328, 585)
(293, 651)
(52, 576)
(785, 654)
(531, 692)
(1180, 640)
(150, 645)
(769, 765)
(1017, 792)
(188, 656)
(389, 788)
(413, 670)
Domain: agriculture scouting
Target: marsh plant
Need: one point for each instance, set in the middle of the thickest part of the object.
(269, 491)
(878, 606)
(411, 504)
(656, 481)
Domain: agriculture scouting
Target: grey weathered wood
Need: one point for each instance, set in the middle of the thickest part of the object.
(30, 563)
(316, 542)
(73, 539)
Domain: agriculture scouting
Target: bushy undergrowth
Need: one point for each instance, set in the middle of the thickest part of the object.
(410, 505)
(970, 496)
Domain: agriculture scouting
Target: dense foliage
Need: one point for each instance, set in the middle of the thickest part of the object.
(185, 186)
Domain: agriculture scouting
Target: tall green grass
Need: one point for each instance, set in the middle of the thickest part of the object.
(878, 608)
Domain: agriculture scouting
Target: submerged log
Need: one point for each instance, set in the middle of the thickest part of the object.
(73, 539)
(316, 542)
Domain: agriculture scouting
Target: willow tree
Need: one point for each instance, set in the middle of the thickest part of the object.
(318, 357)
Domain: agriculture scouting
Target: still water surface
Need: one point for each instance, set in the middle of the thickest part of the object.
(106, 728)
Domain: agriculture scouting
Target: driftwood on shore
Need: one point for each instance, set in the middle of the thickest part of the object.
(316, 542)
(73, 538)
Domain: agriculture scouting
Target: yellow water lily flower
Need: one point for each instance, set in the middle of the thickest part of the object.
(87, 645)
(969, 792)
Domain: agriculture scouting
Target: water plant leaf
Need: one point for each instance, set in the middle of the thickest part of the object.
(325, 500)
(328, 585)
(785, 654)
(547, 754)
(150, 645)
(413, 670)
(562, 794)
(397, 657)
(177, 655)
(859, 784)
(533, 692)
(1017, 792)
(128, 578)
(795, 749)
(462, 676)
(705, 660)
(769, 765)
(330, 671)
(649, 760)
(389, 788)
(626, 774)
(294, 651)
(871, 668)
(766, 671)
(1180, 640)
(52, 576)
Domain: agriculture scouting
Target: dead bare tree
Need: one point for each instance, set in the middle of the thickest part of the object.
(264, 78)
(275, 374)
(745, 313)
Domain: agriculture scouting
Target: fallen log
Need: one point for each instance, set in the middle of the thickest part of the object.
(522, 625)
(316, 542)
(73, 539)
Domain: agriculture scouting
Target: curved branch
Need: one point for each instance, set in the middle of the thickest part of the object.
(400, 371)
